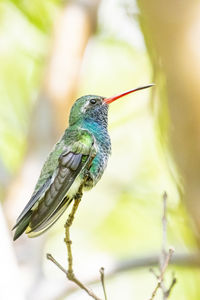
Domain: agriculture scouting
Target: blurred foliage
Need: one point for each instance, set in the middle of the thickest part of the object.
(121, 217)
(24, 31)
(37, 13)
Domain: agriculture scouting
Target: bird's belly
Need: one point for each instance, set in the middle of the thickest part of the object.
(75, 187)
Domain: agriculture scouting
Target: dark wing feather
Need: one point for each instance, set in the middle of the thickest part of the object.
(22, 225)
(73, 160)
(32, 201)
(54, 217)
(49, 201)
(70, 165)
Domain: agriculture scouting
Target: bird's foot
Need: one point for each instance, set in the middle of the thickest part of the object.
(93, 152)
(88, 180)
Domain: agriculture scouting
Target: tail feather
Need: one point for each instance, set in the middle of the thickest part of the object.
(23, 224)
(52, 219)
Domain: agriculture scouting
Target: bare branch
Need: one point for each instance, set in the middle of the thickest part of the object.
(179, 259)
(174, 281)
(164, 257)
(51, 258)
(164, 230)
(155, 290)
(161, 276)
(70, 273)
(103, 282)
(184, 260)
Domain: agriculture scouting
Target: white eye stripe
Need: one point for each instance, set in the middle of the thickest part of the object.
(88, 104)
(84, 107)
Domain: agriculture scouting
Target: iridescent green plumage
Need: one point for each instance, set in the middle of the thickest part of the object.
(79, 158)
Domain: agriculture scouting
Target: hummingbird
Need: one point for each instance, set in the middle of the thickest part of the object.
(78, 159)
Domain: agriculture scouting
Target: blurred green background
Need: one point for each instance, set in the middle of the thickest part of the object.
(52, 52)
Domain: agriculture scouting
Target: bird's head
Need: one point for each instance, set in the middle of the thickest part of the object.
(95, 107)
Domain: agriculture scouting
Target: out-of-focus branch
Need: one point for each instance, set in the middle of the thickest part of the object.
(103, 282)
(182, 260)
(171, 39)
(179, 259)
(74, 26)
(165, 258)
(160, 278)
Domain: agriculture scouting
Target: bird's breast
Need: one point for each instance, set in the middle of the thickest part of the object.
(103, 147)
(99, 163)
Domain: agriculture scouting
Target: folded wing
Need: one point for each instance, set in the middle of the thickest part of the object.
(52, 198)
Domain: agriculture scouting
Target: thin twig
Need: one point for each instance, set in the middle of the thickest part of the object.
(155, 290)
(164, 243)
(51, 258)
(184, 260)
(103, 282)
(161, 276)
(164, 229)
(164, 257)
(166, 263)
(174, 281)
(70, 273)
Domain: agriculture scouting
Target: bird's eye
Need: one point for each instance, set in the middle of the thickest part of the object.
(93, 101)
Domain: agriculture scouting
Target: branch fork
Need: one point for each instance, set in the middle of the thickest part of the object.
(165, 258)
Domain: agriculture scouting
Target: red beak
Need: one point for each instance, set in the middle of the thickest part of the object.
(111, 99)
